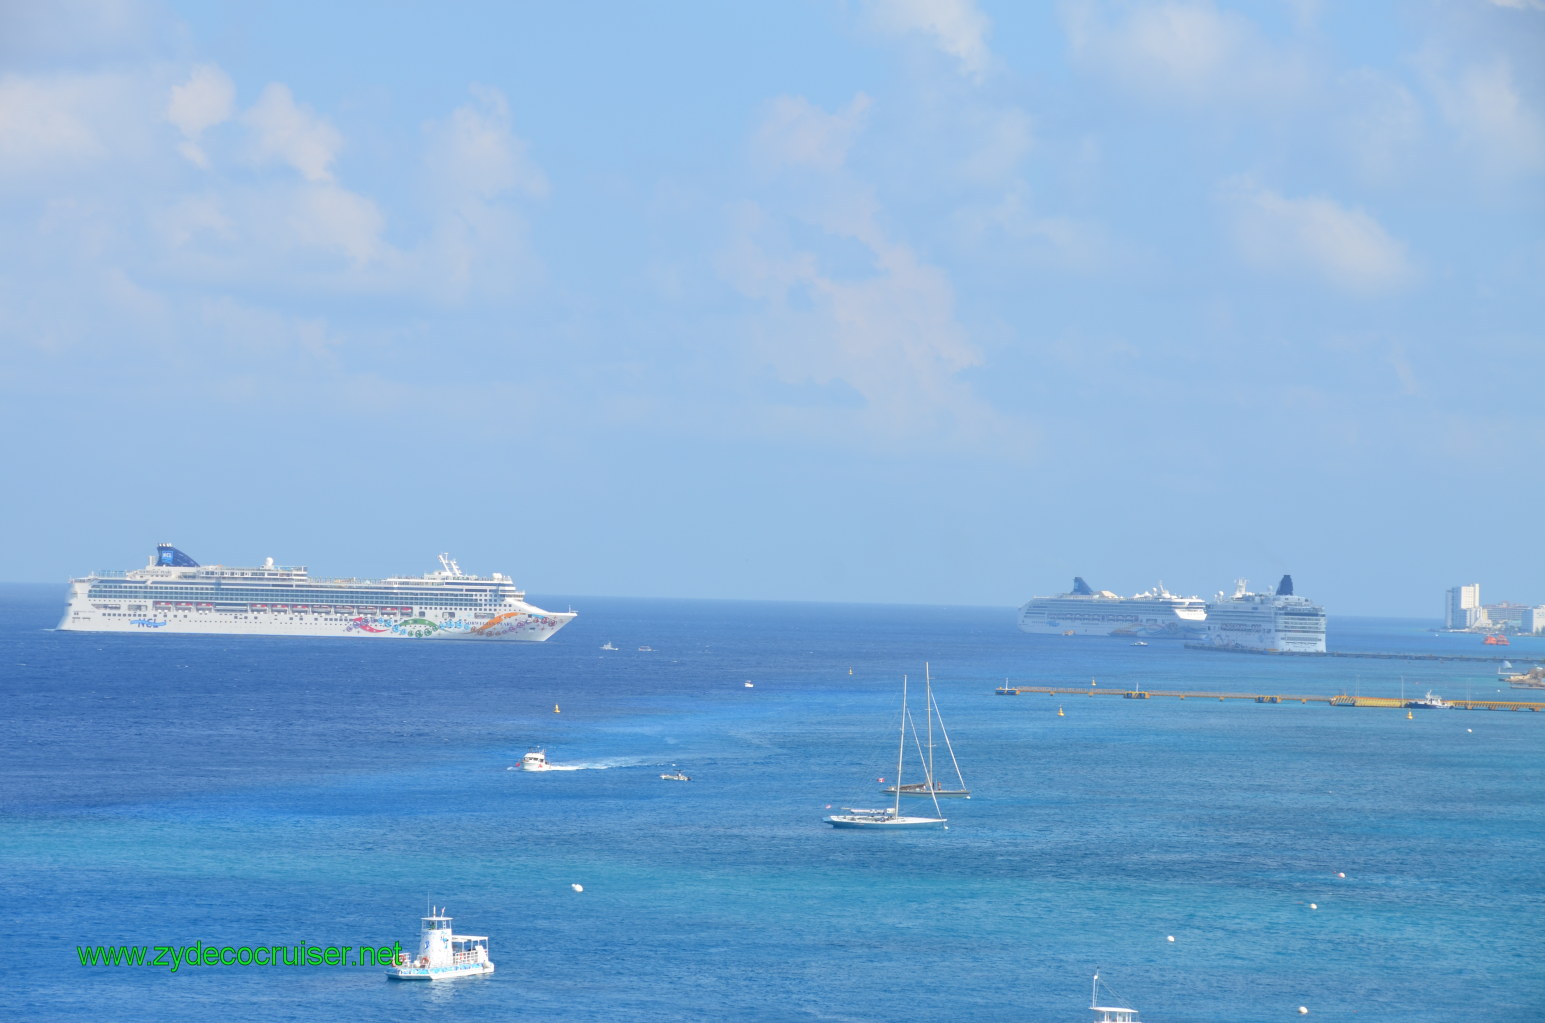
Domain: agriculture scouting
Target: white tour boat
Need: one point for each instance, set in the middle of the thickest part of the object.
(535, 760)
(1109, 1013)
(891, 818)
(443, 955)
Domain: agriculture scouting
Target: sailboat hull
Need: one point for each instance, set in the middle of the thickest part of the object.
(884, 823)
(920, 789)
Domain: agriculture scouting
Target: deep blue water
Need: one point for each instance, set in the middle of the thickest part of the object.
(161, 789)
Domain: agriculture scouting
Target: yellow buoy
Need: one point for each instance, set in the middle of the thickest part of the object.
(850, 671)
(1059, 713)
(556, 710)
(1408, 715)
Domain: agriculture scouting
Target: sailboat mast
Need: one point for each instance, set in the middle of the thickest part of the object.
(901, 746)
(949, 746)
(928, 710)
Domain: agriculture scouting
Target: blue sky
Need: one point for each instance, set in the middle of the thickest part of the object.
(907, 302)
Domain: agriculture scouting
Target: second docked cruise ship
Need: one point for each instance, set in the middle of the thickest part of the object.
(174, 593)
(1278, 622)
(1085, 612)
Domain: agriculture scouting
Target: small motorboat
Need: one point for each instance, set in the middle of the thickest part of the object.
(535, 760)
(1140, 643)
(675, 774)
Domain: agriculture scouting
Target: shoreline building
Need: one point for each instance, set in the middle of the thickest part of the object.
(1462, 608)
(1523, 618)
(1464, 612)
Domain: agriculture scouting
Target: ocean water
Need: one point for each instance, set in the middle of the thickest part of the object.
(166, 789)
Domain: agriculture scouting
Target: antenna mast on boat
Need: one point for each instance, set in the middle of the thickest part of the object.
(901, 746)
(928, 710)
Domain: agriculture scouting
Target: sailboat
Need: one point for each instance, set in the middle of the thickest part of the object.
(891, 817)
(933, 787)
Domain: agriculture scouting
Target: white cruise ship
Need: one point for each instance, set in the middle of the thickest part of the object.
(1278, 622)
(174, 593)
(1084, 612)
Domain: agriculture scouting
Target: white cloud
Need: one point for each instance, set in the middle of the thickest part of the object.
(203, 101)
(955, 26)
(1495, 124)
(77, 31)
(1182, 50)
(1379, 123)
(1346, 247)
(843, 306)
(292, 133)
(890, 336)
(1003, 138)
(326, 217)
(1400, 365)
(63, 123)
(1012, 229)
(476, 154)
(476, 163)
(192, 216)
(797, 133)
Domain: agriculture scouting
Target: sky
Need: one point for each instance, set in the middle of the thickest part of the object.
(914, 302)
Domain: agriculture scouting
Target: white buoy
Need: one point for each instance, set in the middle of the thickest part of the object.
(1302, 1011)
(1170, 938)
(1341, 875)
(1469, 729)
(577, 887)
(1314, 905)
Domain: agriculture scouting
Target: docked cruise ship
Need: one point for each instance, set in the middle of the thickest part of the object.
(1279, 622)
(1084, 612)
(174, 593)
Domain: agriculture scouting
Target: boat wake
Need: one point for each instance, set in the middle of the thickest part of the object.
(590, 765)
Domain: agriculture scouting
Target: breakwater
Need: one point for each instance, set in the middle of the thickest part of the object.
(1339, 700)
(1490, 659)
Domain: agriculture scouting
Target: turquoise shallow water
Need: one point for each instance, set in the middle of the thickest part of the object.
(161, 789)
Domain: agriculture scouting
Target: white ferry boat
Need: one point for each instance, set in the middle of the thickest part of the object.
(174, 593)
(1109, 1013)
(1277, 622)
(1087, 612)
(443, 955)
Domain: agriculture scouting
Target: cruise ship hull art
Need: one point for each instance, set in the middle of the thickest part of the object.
(174, 594)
